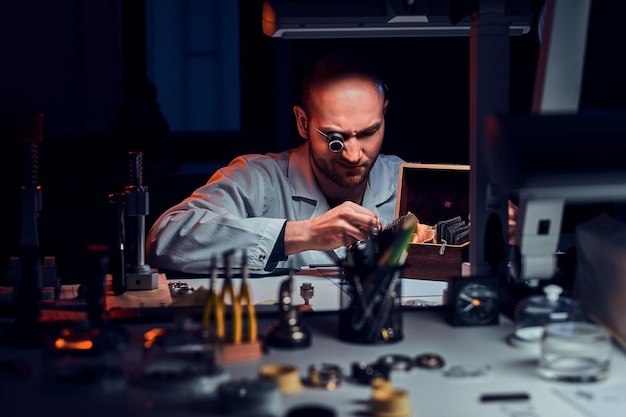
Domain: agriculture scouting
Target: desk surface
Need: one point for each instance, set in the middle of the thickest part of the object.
(431, 393)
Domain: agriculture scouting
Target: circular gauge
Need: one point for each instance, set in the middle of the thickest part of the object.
(474, 302)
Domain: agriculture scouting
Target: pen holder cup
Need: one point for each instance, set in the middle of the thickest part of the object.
(370, 306)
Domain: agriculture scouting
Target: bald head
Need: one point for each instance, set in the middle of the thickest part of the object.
(333, 68)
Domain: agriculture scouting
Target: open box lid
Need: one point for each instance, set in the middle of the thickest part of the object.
(433, 192)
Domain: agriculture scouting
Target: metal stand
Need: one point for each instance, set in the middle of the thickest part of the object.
(489, 93)
(131, 208)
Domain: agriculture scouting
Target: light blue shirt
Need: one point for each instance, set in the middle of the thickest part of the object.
(244, 206)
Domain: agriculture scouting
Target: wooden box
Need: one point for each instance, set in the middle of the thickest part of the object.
(434, 192)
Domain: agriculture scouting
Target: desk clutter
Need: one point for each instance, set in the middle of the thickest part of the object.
(79, 353)
(212, 354)
(190, 355)
(145, 368)
(152, 367)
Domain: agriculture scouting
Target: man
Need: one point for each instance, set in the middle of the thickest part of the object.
(299, 207)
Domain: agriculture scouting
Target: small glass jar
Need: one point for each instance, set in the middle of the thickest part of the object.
(533, 313)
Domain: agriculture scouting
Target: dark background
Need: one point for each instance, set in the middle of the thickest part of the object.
(83, 157)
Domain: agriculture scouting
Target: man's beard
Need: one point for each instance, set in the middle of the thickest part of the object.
(326, 168)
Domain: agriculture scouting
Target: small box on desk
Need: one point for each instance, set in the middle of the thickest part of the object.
(434, 193)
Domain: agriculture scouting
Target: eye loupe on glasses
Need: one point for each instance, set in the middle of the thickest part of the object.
(335, 140)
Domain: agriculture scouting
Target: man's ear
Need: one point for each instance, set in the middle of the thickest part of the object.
(301, 121)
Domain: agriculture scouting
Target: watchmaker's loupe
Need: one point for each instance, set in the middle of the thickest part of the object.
(335, 140)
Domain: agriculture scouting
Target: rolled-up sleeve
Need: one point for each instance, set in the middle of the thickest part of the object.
(242, 207)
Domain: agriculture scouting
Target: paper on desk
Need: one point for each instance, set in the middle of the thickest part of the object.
(325, 282)
(600, 401)
(265, 291)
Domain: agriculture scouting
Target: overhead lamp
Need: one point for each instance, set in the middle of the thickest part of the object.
(309, 19)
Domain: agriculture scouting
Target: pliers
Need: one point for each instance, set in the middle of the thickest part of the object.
(214, 305)
(245, 296)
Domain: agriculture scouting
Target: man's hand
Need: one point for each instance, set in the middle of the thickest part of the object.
(340, 226)
(512, 222)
